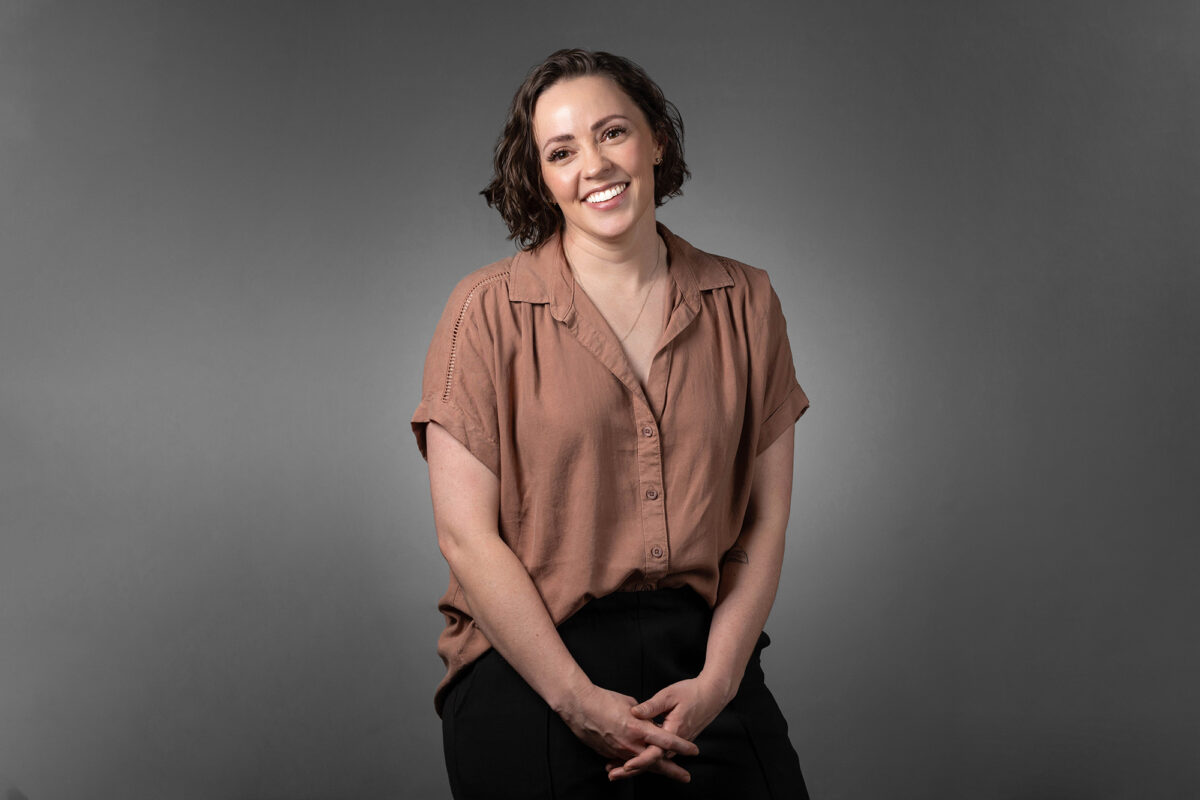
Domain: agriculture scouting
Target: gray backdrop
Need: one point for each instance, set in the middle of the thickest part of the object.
(227, 231)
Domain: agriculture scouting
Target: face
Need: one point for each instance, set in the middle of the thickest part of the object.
(597, 153)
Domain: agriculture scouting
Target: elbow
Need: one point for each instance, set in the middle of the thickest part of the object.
(458, 545)
(450, 546)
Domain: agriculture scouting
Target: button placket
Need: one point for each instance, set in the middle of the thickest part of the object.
(653, 507)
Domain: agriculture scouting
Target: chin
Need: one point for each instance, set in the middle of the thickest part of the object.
(614, 228)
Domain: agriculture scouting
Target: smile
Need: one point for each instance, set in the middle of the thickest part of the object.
(607, 194)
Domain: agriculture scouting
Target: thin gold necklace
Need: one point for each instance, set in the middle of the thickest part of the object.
(649, 289)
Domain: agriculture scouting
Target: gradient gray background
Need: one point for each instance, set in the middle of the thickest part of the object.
(227, 231)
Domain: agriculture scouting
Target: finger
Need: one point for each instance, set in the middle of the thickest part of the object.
(632, 767)
(672, 771)
(670, 741)
(634, 763)
(673, 725)
(656, 705)
(643, 760)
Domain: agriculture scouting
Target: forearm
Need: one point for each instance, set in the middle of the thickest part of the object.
(749, 580)
(506, 606)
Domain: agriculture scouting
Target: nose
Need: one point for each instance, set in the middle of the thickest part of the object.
(595, 162)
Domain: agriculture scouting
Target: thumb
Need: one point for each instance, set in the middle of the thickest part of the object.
(658, 704)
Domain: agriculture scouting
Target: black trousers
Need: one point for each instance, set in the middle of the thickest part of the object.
(503, 741)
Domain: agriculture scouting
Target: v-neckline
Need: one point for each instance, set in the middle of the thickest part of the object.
(595, 332)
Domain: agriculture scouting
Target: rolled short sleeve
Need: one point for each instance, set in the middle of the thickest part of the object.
(458, 390)
(783, 399)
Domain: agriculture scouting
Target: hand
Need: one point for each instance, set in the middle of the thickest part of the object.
(601, 719)
(690, 705)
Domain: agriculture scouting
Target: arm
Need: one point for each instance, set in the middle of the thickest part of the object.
(750, 573)
(510, 612)
(749, 579)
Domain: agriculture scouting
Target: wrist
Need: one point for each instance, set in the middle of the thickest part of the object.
(566, 692)
(722, 681)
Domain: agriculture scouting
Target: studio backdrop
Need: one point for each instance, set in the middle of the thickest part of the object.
(227, 231)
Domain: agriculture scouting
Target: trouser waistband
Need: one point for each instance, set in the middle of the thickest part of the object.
(673, 600)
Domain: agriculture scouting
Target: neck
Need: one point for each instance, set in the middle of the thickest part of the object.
(621, 265)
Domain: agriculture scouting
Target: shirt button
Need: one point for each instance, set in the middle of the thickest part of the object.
(656, 551)
(647, 431)
(652, 494)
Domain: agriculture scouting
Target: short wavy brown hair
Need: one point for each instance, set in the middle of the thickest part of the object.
(517, 190)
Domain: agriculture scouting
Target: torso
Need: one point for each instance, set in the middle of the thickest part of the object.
(593, 471)
(642, 343)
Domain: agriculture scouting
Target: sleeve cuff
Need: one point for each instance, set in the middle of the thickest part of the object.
(783, 417)
(460, 426)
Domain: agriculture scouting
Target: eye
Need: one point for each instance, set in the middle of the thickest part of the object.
(556, 155)
(615, 131)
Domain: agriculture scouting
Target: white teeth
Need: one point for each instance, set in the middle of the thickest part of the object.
(607, 194)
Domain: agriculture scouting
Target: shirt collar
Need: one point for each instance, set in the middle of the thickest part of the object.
(542, 275)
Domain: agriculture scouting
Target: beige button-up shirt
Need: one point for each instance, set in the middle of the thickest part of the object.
(606, 486)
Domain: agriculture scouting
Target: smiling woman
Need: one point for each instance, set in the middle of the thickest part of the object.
(517, 191)
(608, 417)
(601, 173)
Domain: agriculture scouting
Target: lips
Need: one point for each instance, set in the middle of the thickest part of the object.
(607, 193)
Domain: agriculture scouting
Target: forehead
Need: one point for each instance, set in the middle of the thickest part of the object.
(572, 105)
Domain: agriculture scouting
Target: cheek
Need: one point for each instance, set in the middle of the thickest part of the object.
(555, 184)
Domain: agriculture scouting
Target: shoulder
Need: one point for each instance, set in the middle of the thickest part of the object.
(748, 293)
(713, 270)
(752, 280)
(747, 286)
(479, 298)
(477, 309)
(485, 284)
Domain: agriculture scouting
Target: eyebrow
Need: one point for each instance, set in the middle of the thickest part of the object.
(566, 137)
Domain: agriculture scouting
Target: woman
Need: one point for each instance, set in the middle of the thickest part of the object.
(607, 417)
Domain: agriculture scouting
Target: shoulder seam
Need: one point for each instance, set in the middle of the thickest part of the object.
(462, 313)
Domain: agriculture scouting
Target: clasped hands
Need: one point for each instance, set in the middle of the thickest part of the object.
(622, 730)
